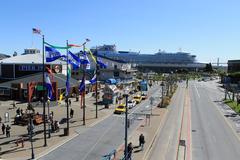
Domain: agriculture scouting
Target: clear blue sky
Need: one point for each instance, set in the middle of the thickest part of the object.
(207, 28)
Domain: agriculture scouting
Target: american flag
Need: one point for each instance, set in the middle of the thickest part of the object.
(36, 31)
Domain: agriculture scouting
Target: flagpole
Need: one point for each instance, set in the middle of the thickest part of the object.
(96, 90)
(84, 105)
(67, 93)
(43, 91)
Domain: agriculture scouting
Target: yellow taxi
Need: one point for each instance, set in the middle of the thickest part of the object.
(120, 109)
(137, 98)
(144, 96)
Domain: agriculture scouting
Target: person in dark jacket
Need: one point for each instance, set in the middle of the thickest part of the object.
(3, 128)
(141, 141)
(71, 113)
(8, 131)
(129, 150)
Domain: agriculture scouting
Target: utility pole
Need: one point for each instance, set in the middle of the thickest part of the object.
(96, 90)
(48, 105)
(43, 93)
(67, 94)
(31, 134)
(83, 96)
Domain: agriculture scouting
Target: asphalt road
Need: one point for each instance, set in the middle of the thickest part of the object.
(212, 137)
(165, 146)
(101, 139)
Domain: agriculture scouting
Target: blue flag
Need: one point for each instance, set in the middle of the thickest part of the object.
(101, 64)
(52, 54)
(48, 85)
(82, 86)
(84, 58)
(94, 79)
(75, 58)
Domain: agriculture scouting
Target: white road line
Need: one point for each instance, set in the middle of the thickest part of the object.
(197, 91)
(104, 134)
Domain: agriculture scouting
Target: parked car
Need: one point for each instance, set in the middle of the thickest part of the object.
(120, 109)
(131, 103)
(137, 98)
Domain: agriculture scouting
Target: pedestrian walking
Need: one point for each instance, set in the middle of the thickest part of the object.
(57, 126)
(18, 111)
(129, 150)
(0, 119)
(52, 127)
(3, 128)
(21, 111)
(69, 102)
(71, 113)
(52, 113)
(8, 131)
(141, 141)
(14, 104)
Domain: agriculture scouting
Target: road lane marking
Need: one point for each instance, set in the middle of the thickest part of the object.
(196, 91)
(99, 139)
(180, 130)
(189, 129)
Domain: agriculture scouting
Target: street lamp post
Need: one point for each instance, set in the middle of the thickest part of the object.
(126, 125)
(84, 103)
(67, 96)
(43, 92)
(48, 105)
(31, 135)
(96, 90)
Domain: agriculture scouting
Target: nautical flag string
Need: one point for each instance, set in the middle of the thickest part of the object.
(57, 47)
(91, 54)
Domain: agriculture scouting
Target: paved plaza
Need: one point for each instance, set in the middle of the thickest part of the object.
(11, 150)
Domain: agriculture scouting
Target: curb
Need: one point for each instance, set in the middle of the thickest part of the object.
(146, 154)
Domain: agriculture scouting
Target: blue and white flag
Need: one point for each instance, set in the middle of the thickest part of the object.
(52, 54)
(94, 79)
(75, 58)
(82, 86)
(101, 64)
(85, 60)
(48, 85)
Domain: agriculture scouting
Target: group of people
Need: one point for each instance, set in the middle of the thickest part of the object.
(130, 147)
(6, 129)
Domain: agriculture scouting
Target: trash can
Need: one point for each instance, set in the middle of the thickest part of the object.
(65, 132)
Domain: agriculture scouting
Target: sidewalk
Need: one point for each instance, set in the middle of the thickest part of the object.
(10, 150)
(149, 131)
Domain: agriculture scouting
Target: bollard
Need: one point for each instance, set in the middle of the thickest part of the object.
(22, 142)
